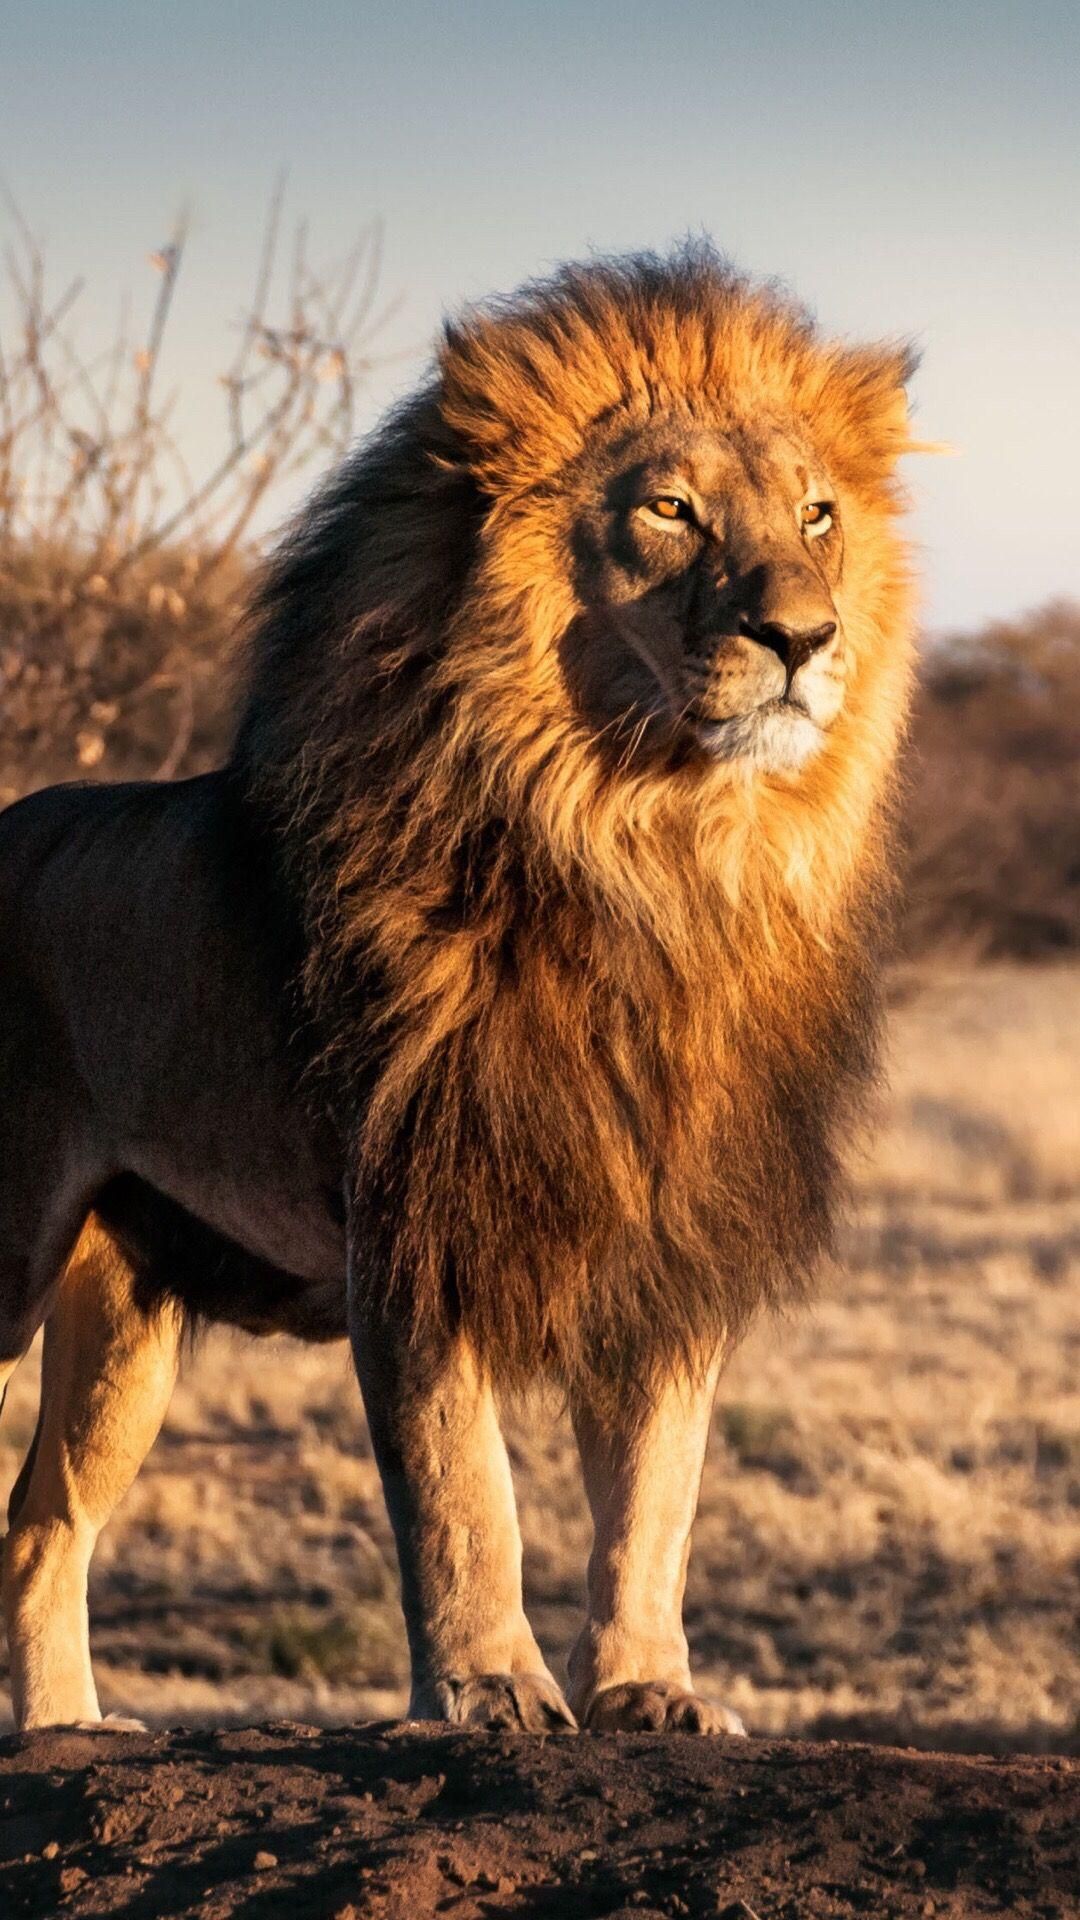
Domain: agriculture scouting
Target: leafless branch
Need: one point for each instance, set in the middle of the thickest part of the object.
(115, 557)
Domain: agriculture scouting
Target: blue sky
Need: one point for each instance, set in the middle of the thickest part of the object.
(908, 170)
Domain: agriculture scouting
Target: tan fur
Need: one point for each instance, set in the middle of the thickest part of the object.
(630, 1665)
(107, 1374)
(446, 1478)
(533, 929)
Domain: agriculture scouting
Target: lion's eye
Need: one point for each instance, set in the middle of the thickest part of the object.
(816, 518)
(669, 509)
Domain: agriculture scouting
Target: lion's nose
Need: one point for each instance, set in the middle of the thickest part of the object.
(793, 644)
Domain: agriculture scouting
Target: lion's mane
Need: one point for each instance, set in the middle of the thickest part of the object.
(592, 1036)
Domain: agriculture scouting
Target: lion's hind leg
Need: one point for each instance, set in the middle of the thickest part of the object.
(108, 1369)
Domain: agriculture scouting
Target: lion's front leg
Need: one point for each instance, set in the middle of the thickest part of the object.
(446, 1478)
(630, 1667)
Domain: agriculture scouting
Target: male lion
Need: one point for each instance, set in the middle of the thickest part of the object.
(503, 1000)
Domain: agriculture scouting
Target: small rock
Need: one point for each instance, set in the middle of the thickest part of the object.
(263, 1861)
(50, 1851)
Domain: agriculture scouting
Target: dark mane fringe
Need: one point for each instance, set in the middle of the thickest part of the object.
(594, 1041)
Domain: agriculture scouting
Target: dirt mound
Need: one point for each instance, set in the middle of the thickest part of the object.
(407, 1823)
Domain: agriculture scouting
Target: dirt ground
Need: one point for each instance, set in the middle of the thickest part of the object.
(888, 1550)
(404, 1825)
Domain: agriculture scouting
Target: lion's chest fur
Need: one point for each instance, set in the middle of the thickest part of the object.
(588, 1148)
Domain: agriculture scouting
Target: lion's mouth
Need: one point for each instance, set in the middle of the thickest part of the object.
(779, 732)
(781, 703)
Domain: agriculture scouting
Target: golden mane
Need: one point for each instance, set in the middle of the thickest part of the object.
(592, 1036)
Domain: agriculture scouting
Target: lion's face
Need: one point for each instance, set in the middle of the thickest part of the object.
(707, 563)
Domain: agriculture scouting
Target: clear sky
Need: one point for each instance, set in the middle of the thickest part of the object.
(909, 169)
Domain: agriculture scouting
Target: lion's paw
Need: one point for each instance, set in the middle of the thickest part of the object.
(529, 1702)
(655, 1706)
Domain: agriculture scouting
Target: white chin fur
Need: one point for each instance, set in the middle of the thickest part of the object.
(774, 741)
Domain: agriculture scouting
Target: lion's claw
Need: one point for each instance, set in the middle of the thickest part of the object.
(655, 1706)
(529, 1702)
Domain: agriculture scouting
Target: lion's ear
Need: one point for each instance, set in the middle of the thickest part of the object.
(517, 394)
(901, 366)
(471, 388)
(896, 408)
(865, 403)
(880, 377)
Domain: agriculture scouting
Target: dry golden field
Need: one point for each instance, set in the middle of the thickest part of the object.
(889, 1540)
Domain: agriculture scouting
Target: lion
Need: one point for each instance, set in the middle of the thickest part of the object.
(506, 1000)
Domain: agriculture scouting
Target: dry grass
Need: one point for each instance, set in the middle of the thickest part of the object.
(889, 1541)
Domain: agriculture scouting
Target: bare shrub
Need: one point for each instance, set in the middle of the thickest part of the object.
(120, 571)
